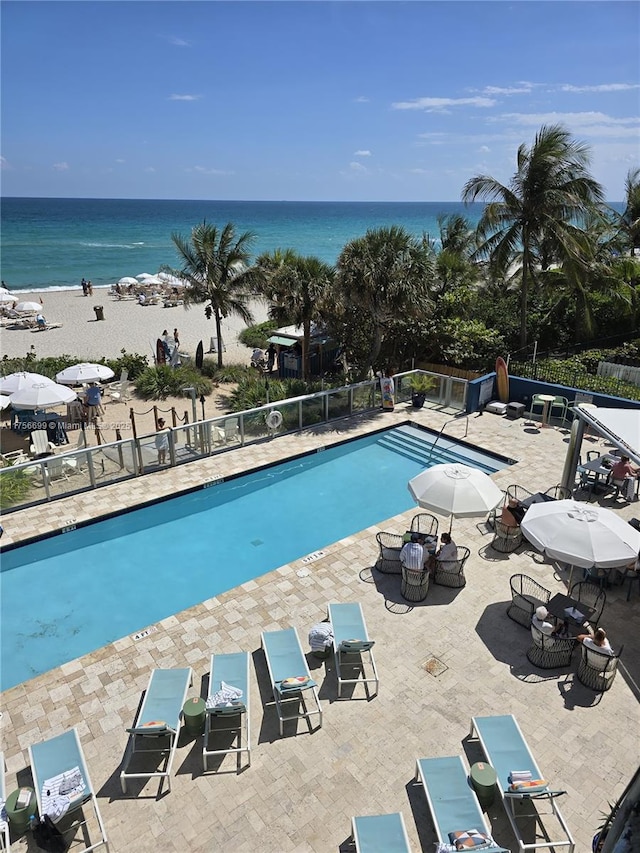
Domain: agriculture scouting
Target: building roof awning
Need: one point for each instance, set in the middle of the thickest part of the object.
(284, 342)
(620, 426)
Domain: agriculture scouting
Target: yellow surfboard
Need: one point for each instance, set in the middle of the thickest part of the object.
(502, 380)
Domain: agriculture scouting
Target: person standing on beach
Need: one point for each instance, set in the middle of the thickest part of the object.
(89, 289)
(84, 287)
(176, 339)
(162, 441)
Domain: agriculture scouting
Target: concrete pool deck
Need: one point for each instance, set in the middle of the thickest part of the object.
(301, 791)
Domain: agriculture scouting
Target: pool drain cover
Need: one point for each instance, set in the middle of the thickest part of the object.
(256, 542)
(434, 667)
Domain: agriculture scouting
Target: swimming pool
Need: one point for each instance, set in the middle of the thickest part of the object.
(67, 595)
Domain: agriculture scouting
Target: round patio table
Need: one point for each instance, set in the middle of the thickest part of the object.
(194, 712)
(483, 780)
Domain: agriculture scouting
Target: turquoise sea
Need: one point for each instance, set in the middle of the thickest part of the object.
(55, 242)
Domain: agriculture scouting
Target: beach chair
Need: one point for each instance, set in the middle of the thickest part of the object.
(40, 444)
(380, 833)
(5, 840)
(229, 433)
(157, 724)
(229, 670)
(350, 642)
(507, 751)
(63, 790)
(452, 802)
(294, 691)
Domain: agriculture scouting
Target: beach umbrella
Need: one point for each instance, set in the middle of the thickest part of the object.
(28, 307)
(127, 280)
(84, 372)
(153, 280)
(4, 401)
(144, 275)
(583, 536)
(17, 381)
(6, 297)
(4, 290)
(42, 395)
(456, 490)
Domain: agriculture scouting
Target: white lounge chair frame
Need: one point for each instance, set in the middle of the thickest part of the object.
(242, 722)
(140, 742)
(41, 445)
(509, 798)
(296, 698)
(5, 839)
(346, 652)
(75, 807)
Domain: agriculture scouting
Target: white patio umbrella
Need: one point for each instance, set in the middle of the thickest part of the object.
(127, 280)
(17, 381)
(28, 307)
(456, 490)
(42, 395)
(4, 401)
(583, 536)
(84, 372)
(6, 297)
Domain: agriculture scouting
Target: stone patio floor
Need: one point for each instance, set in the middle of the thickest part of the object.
(302, 789)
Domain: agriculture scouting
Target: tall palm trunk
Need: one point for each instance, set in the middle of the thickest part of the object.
(218, 320)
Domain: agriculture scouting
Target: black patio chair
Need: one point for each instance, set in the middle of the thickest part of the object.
(451, 572)
(526, 596)
(548, 652)
(597, 670)
(592, 596)
(424, 523)
(390, 546)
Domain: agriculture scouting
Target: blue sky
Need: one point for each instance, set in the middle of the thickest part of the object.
(307, 100)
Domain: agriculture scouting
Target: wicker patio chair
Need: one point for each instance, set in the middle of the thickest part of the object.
(424, 523)
(493, 514)
(526, 596)
(518, 493)
(592, 596)
(390, 547)
(597, 670)
(559, 493)
(415, 584)
(451, 572)
(506, 538)
(550, 652)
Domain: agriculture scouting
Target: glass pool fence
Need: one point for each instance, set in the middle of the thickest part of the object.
(63, 474)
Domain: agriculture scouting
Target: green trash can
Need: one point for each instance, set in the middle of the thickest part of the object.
(483, 780)
(19, 817)
(193, 713)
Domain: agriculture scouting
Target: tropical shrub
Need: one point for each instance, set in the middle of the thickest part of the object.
(258, 335)
(162, 381)
(134, 363)
(14, 487)
(227, 373)
(252, 392)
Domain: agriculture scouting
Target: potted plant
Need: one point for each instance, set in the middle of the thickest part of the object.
(420, 385)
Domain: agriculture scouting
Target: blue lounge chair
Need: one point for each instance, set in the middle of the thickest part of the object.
(157, 724)
(350, 642)
(290, 678)
(507, 751)
(453, 804)
(380, 833)
(231, 670)
(5, 840)
(54, 762)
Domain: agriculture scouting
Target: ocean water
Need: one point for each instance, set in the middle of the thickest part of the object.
(54, 243)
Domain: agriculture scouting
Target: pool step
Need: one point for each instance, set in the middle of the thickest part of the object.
(412, 446)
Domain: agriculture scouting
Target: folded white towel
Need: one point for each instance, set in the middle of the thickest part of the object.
(224, 697)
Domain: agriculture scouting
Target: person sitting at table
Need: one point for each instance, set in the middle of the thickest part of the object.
(512, 514)
(447, 553)
(412, 553)
(539, 620)
(623, 474)
(597, 641)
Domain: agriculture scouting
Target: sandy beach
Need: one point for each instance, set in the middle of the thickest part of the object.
(134, 328)
(126, 325)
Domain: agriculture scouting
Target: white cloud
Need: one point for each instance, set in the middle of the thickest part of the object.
(61, 167)
(178, 42)
(184, 97)
(361, 100)
(362, 153)
(441, 103)
(590, 123)
(4, 163)
(358, 167)
(521, 89)
(484, 149)
(149, 169)
(204, 170)
(120, 160)
(600, 87)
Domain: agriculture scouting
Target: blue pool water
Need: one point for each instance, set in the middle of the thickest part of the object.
(70, 594)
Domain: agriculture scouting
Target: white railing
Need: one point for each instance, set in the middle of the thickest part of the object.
(62, 474)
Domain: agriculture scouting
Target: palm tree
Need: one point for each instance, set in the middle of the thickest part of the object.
(631, 215)
(295, 286)
(215, 263)
(386, 275)
(536, 219)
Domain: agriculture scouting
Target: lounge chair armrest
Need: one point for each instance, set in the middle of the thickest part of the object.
(158, 729)
(356, 645)
(228, 710)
